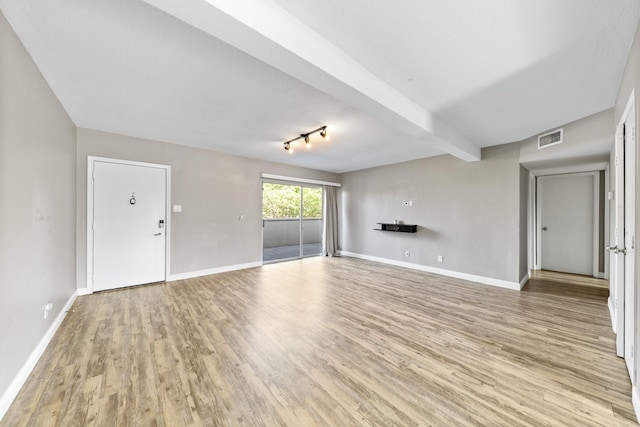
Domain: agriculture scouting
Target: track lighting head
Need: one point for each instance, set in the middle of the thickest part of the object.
(322, 130)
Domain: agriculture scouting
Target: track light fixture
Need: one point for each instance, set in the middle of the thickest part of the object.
(323, 133)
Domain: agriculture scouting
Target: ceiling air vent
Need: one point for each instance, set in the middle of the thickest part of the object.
(551, 138)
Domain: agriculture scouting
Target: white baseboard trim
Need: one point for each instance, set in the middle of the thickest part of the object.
(635, 399)
(524, 280)
(217, 270)
(612, 315)
(600, 275)
(14, 388)
(449, 273)
(83, 291)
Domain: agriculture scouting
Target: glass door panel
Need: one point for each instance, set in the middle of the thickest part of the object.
(280, 222)
(311, 221)
(291, 221)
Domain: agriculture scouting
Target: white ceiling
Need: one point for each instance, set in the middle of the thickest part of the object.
(393, 81)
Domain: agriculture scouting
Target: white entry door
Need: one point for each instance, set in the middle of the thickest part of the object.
(566, 218)
(128, 224)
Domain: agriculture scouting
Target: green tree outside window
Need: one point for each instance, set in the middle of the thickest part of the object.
(283, 201)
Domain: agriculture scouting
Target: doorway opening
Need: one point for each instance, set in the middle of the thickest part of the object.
(569, 223)
(292, 221)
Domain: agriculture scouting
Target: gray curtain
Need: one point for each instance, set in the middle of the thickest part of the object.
(330, 228)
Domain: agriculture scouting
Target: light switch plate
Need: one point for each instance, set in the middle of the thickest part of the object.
(177, 208)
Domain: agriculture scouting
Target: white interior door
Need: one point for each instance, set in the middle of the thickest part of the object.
(616, 257)
(566, 204)
(628, 250)
(129, 224)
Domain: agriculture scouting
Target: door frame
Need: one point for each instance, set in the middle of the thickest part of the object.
(91, 160)
(595, 225)
(617, 280)
(302, 184)
(283, 179)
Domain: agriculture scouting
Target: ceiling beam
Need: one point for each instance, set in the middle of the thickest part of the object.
(267, 32)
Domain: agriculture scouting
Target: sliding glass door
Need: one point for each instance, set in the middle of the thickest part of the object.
(291, 221)
(311, 221)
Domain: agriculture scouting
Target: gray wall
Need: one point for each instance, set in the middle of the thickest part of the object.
(37, 189)
(587, 140)
(213, 188)
(466, 212)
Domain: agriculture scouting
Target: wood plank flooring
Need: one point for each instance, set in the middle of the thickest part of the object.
(331, 342)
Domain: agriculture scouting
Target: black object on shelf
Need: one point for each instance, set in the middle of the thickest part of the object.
(398, 228)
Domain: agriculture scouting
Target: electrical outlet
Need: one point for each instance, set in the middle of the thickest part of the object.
(440, 258)
(407, 254)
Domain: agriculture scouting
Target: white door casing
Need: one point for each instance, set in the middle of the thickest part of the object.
(568, 221)
(127, 223)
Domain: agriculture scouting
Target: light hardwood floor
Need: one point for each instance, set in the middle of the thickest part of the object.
(333, 342)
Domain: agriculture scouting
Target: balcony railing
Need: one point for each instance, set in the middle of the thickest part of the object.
(281, 238)
(286, 231)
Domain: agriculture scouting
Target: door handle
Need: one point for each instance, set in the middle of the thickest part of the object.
(544, 228)
(616, 250)
(158, 234)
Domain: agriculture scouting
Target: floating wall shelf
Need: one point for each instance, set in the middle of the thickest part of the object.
(398, 228)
